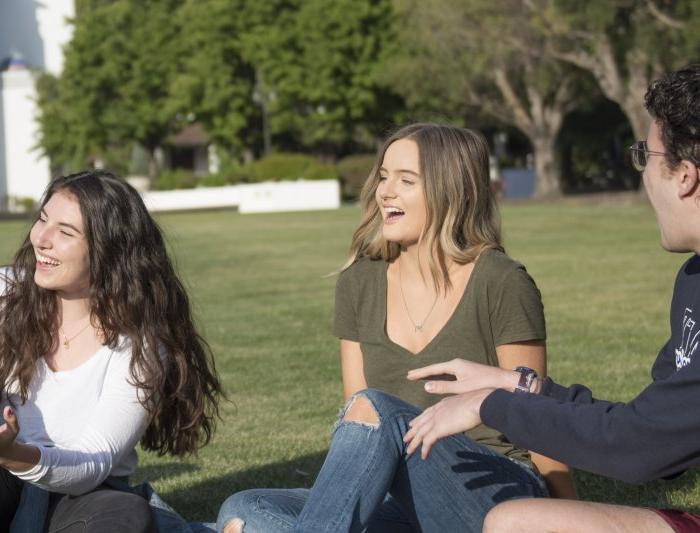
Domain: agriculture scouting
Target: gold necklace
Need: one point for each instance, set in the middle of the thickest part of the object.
(416, 326)
(66, 339)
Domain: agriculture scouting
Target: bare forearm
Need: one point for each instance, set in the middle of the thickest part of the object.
(20, 457)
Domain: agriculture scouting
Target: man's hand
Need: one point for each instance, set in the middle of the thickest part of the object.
(8, 431)
(449, 416)
(469, 376)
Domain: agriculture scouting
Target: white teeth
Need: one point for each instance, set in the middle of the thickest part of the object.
(393, 210)
(48, 260)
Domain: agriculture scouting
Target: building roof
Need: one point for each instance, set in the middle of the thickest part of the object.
(192, 135)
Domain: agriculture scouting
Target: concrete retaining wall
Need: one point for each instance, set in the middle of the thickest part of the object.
(300, 195)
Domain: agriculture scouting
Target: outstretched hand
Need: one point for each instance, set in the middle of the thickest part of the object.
(449, 416)
(469, 377)
(8, 431)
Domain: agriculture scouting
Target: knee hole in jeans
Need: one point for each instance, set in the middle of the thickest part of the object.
(361, 410)
(235, 525)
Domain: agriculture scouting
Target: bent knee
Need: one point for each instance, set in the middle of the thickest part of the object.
(361, 410)
(235, 525)
(233, 512)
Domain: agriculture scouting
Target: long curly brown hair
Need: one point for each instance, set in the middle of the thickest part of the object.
(134, 294)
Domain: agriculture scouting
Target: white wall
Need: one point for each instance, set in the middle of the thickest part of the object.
(26, 173)
(36, 31)
(300, 195)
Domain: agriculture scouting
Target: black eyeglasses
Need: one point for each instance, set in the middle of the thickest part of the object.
(640, 154)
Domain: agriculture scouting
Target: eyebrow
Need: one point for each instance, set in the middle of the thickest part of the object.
(402, 170)
(64, 224)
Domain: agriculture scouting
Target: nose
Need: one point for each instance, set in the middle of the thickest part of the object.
(41, 237)
(386, 189)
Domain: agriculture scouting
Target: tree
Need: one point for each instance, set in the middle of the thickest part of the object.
(624, 44)
(466, 57)
(114, 89)
(214, 84)
(301, 74)
(315, 68)
(341, 44)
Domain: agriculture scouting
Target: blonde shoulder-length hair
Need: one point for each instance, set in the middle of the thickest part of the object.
(462, 218)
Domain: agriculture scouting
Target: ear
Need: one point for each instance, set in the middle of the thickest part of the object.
(687, 178)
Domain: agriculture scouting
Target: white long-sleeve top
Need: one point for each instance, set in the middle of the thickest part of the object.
(85, 421)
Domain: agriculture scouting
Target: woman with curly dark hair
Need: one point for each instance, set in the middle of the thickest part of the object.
(98, 351)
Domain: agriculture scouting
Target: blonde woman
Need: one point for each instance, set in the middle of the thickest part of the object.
(427, 281)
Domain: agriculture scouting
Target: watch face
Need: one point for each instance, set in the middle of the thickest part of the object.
(527, 375)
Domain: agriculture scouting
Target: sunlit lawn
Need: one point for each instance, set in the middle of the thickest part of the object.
(259, 286)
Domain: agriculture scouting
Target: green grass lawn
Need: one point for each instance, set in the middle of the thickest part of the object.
(263, 300)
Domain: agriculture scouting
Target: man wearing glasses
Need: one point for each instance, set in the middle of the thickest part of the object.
(655, 435)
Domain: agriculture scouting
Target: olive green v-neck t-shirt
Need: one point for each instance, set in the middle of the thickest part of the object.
(500, 305)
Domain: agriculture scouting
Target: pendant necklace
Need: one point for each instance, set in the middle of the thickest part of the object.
(66, 339)
(416, 326)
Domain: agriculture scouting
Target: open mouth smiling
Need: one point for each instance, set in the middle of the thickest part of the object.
(47, 262)
(392, 214)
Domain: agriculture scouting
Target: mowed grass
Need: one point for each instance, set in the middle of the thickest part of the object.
(260, 291)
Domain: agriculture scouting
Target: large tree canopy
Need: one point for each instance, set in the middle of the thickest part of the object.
(624, 44)
(296, 74)
(329, 77)
(316, 66)
(114, 89)
(467, 58)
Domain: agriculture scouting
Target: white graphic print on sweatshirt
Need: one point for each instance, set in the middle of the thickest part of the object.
(689, 340)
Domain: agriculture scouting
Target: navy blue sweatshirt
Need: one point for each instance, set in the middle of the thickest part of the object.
(655, 435)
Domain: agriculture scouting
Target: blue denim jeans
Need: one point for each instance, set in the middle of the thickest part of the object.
(367, 483)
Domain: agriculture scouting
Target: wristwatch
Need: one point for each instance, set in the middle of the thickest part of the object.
(527, 376)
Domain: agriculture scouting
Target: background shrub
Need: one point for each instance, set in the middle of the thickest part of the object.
(213, 180)
(231, 170)
(174, 179)
(353, 171)
(289, 166)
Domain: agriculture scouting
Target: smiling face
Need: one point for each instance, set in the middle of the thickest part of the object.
(400, 193)
(60, 246)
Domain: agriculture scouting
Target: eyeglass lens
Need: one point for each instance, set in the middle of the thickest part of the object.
(639, 156)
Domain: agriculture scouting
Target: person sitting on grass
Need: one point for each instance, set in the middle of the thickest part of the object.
(427, 278)
(655, 435)
(98, 351)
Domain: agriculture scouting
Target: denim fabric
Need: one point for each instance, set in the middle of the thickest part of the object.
(278, 509)
(452, 490)
(31, 511)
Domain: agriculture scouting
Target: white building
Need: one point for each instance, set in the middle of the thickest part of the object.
(32, 36)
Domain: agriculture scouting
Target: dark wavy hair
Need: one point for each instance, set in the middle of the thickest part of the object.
(134, 293)
(674, 102)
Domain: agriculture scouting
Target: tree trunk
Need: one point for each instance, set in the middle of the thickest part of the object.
(547, 169)
(626, 90)
(153, 167)
(636, 113)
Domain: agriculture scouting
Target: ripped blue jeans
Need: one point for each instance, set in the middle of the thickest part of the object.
(367, 483)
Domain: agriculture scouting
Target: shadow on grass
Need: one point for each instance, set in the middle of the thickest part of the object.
(201, 501)
(156, 472)
(660, 494)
